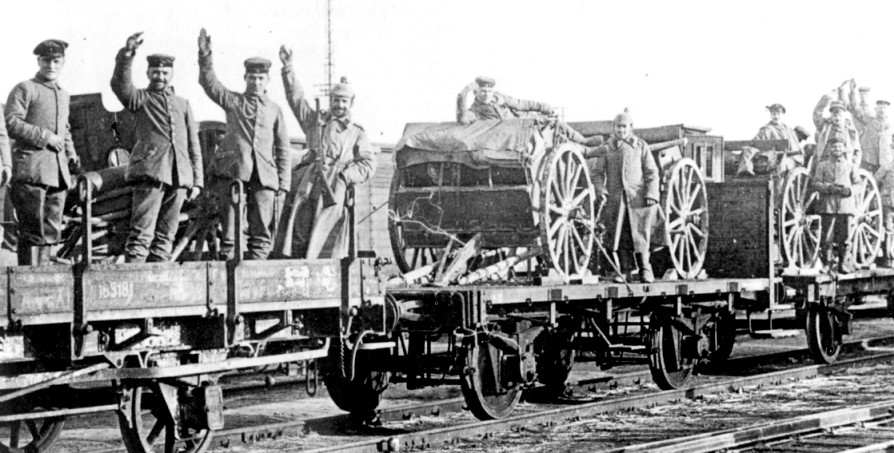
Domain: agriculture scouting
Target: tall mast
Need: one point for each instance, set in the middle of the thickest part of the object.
(328, 46)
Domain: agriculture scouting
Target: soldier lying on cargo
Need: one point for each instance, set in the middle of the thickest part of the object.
(491, 105)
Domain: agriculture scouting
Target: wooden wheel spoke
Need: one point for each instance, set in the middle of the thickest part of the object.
(554, 228)
(553, 209)
(578, 199)
(696, 230)
(557, 191)
(676, 224)
(579, 240)
(694, 197)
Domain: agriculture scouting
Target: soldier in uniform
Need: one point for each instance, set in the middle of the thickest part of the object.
(834, 180)
(37, 120)
(625, 172)
(875, 129)
(491, 105)
(166, 159)
(347, 158)
(776, 129)
(838, 125)
(255, 151)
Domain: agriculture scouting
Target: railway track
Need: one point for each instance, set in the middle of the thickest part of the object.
(258, 433)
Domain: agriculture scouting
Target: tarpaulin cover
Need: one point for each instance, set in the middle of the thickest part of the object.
(482, 144)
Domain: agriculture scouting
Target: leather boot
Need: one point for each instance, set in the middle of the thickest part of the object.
(134, 259)
(645, 268)
(845, 260)
(624, 266)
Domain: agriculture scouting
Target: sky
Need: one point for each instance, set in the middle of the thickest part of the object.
(706, 63)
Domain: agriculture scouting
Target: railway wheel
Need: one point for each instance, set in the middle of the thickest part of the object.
(484, 389)
(406, 258)
(28, 436)
(823, 334)
(355, 387)
(555, 357)
(800, 230)
(567, 214)
(147, 425)
(866, 235)
(685, 206)
(670, 369)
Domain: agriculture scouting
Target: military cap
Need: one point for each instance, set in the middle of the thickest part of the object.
(882, 102)
(485, 82)
(836, 105)
(624, 117)
(774, 107)
(257, 65)
(864, 89)
(342, 89)
(159, 60)
(802, 133)
(54, 47)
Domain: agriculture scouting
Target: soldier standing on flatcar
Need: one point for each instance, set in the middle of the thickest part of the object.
(838, 125)
(37, 119)
(834, 180)
(255, 151)
(346, 158)
(491, 105)
(625, 173)
(875, 130)
(166, 159)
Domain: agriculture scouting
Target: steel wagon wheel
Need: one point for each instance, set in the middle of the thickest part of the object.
(143, 425)
(28, 436)
(670, 369)
(823, 334)
(686, 210)
(405, 257)
(567, 213)
(866, 235)
(800, 230)
(481, 381)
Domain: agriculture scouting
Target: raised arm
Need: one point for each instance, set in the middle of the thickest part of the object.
(523, 105)
(295, 93)
(208, 79)
(364, 164)
(283, 152)
(463, 102)
(122, 81)
(818, 119)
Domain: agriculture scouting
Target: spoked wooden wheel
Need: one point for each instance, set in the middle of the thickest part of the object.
(28, 436)
(866, 235)
(147, 428)
(800, 230)
(567, 215)
(686, 207)
(407, 258)
(823, 334)
(670, 370)
(555, 357)
(481, 384)
(354, 385)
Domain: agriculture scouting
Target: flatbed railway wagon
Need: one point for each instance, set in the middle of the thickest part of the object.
(519, 321)
(150, 341)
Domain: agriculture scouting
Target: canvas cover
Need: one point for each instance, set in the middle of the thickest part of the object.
(482, 144)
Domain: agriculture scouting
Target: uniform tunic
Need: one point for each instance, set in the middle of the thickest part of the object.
(836, 210)
(255, 151)
(875, 138)
(165, 160)
(626, 174)
(349, 159)
(826, 129)
(36, 110)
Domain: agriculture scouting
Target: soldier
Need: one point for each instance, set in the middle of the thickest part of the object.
(491, 105)
(37, 119)
(347, 159)
(166, 159)
(875, 130)
(255, 151)
(776, 129)
(834, 180)
(836, 124)
(627, 176)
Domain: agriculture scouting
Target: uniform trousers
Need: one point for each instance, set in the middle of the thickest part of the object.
(260, 208)
(39, 212)
(154, 219)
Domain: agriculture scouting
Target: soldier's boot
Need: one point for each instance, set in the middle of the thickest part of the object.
(624, 266)
(845, 259)
(645, 268)
(134, 259)
(27, 255)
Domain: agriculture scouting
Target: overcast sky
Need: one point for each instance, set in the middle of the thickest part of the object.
(707, 63)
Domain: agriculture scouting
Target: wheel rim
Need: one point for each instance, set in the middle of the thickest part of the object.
(149, 425)
(800, 230)
(362, 395)
(669, 369)
(406, 258)
(686, 211)
(484, 403)
(725, 327)
(866, 235)
(823, 335)
(29, 436)
(567, 212)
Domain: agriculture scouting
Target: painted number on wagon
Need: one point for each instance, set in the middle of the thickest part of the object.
(115, 290)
